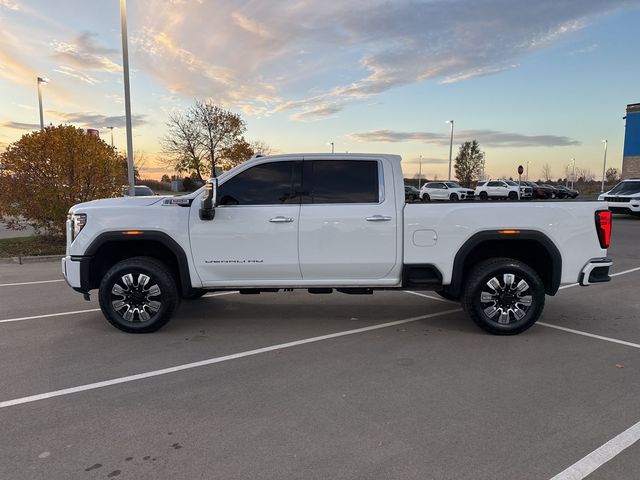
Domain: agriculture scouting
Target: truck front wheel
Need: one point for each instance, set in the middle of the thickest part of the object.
(503, 296)
(138, 295)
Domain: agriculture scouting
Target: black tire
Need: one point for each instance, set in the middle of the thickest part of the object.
(513, 195)
(122, 283)
(426, 197)
(447, 296)
(503, 296)
(454, 197)
(484, 196)
(194, 294)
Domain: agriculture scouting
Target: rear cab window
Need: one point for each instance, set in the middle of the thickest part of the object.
(342, 181)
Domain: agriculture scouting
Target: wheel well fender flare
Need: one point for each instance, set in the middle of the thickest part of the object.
(476, 241)
(158, 237)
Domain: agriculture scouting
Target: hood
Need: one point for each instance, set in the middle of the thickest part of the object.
(122, 202)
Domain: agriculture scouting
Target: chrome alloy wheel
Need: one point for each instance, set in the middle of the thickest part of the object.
(506, 301)
(135, 297)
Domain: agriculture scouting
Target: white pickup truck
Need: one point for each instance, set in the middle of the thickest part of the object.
(324, 223)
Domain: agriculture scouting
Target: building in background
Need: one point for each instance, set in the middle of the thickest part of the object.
(631, 159)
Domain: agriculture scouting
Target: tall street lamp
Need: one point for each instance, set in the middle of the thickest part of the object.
(333, 147)
(420, 172)
(604, 164)
(111, 128)
(528, 162)
(450, 148)
(41, 80)
(573, 173)
(127, 96)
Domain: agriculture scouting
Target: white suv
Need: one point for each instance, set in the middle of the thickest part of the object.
(445, 191)
(496, 189)
(624, 197)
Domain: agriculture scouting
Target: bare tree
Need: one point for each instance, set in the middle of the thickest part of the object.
(220, 132)
(182, 145)
(206, 136)
(546, 172)
(261, 147)
(612, 175)
(585, 175)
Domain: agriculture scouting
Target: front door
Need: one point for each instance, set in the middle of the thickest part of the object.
(253, 238)
(347, 223)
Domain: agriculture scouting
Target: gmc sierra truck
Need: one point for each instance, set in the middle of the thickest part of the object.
(329, 223)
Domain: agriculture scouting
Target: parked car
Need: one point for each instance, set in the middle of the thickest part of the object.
(555, 192)
(411, 194)
(540, 191)
(568, 192)
(624, 197)
(141, 191)
(445, 191)
(526, 192)
(344, 226)
(496, 189)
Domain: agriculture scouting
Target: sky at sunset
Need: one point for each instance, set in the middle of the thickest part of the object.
(533, 81)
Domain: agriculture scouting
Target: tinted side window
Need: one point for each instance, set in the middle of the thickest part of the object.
(344, 181)
(266, 184)
(494, 184)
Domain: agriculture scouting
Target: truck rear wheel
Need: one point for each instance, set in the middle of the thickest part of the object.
(484, 196)
(138, 295)
(503, 296)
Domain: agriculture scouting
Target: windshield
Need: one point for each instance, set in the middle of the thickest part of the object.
(143, 192)
(626, 188)
(453, 185)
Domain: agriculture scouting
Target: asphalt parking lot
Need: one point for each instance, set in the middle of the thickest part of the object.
(293, 385)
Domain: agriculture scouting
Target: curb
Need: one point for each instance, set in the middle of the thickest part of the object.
(32, 259)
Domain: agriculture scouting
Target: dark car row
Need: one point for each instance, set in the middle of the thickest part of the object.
(546, 191)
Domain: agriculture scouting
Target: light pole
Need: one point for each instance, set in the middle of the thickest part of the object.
(420, 172)
(450, 148)
(333, 147)
(604, 164)
(111, 128)
(127, 96)
(528, 162)
(41, 80)
(573, 173)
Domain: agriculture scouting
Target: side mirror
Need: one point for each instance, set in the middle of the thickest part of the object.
(209, 200)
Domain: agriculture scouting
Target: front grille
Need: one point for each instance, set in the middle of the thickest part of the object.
(620, 209)
(618, 199)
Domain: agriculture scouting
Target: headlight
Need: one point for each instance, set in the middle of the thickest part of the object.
(78, 221)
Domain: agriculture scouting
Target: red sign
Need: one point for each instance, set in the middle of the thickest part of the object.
(520, 170)
(93, 132)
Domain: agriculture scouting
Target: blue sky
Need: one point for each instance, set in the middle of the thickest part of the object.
(538, 82)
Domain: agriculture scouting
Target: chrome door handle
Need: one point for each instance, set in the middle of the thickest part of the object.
(281, 219)
(379, 218)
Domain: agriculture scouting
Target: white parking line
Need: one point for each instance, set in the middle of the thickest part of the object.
(431, 297)
(211, 361)
(61, 314)
(590, 335)
(30, 283)
(601, 455)
(19, 319)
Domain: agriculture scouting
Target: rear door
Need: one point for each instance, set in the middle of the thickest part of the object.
(348, 224)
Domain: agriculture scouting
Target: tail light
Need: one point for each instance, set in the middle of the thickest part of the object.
(603, 227)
